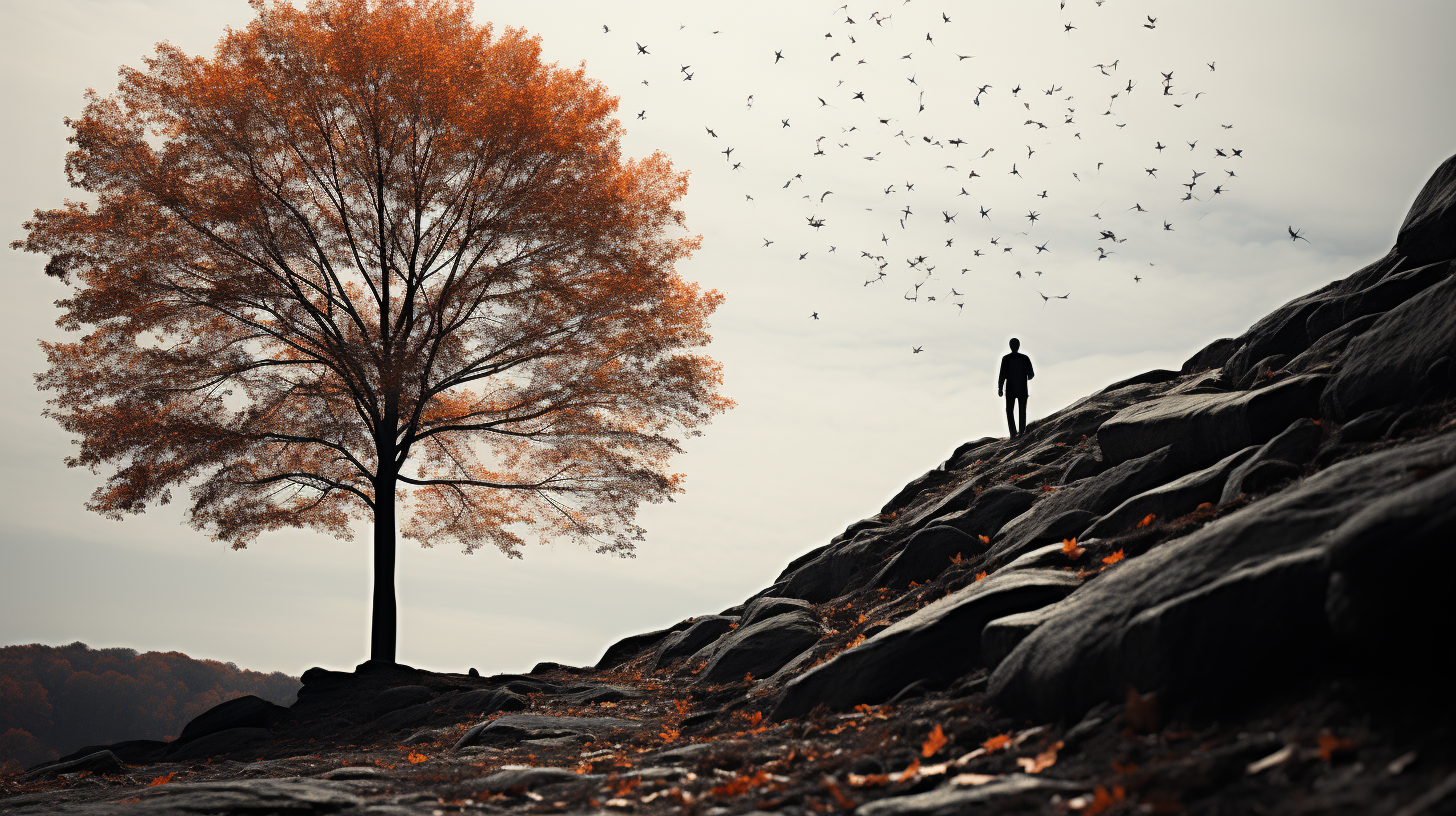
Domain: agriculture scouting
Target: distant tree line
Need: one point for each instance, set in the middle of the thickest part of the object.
(54, 700)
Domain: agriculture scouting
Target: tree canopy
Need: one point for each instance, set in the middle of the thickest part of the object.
(373, 254)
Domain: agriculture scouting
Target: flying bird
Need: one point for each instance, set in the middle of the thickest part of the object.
(1295, 235)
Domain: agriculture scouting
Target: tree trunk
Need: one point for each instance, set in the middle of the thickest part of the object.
(385, 622)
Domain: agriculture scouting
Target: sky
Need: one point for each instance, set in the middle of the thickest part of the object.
(1341, 110)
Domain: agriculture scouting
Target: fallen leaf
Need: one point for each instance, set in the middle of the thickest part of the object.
(980, 575)
(984, 539)
(669, 734)
(416, 758)
(909, 772)
(1114, 558)
(1070, 549)
(1041, 761)
(955, 559)
(933, 743)
(1148, 519)
(161, 780)
(996, 743)
(756, 718)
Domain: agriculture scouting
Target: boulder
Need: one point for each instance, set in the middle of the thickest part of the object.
(249, 711)
(1049, 519)
(1182, 495)
(1429, 230)
(1392, 363)
(937, 644)
(1369, 426)
(511, 728)
(689, 641)
(1294, 447)
(925, 555)
(839, 566)
(1323, 352)
(132, 752)
(990, 511)
(97, 762)
(1002, 635)
(218, 743)
(1240, 601)
(907, 495)
(1208, 427)
(1282, 331)
(485, 701)
(967, 453)
(629, 647)
(593, 694)
(1395, 286)
(1084, 466)
(1384, 603)
(762, 608)
(760, 649)
(395, 699)
(401, 718)
(1157, 375)
(1211, 356)
(1010, 793)
(299, 795)
(525, 777)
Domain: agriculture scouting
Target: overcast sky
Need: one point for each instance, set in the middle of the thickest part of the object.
(1341, 110)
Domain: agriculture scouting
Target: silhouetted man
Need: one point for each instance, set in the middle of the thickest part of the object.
(1015, 371)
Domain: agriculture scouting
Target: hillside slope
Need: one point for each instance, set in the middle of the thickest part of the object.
(1217, 589)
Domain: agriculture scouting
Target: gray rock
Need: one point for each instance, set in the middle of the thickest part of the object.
(1385, 604)
(425, 736)
(1211, 356)
(485, 701)
(100, 762)
(761, 608)
(1223, 605)
(412, 717)
(1208, 427)
(703, 631)
(1084, 466)
(910, 492)
(629, 647)
(955, 800)
(761, 649)
(968, 452)
(1157, 375)
(249, 711)
(366, 773)
(925, 555)
(397, 698)
(1048, 519)
(1295, 446)
(1429, 230)
(1002, 635)
(602, 694)
(1397, 285)
(1262, 369)
(530, 778)
(1182, 495)
(1389, 364)
(936, 643)
(516, 727)
(990, 511)
(1369, 426)
(220, 743)
(291, 795)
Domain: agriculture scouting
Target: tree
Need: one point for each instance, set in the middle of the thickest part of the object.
(371, 255)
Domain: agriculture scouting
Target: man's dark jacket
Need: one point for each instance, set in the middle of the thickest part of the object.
(1015, 371)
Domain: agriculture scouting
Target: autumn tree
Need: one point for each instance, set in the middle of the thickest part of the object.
(373, 259)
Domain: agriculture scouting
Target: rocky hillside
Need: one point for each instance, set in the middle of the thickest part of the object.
(1217, 589)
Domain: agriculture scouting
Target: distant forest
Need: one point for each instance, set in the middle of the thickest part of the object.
(56, 699)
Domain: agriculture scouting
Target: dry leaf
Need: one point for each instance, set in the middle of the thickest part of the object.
(909, 772)
(161, 780)
(755, 718)
(980, 575)
(1114, 558)
(1070, 549)
(996, 743)
(1041, 761)
(416, 758)
(955, 559)
(933, 743)
(984, 539)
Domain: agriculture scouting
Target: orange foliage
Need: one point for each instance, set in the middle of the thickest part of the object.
(416, 758)
(161, 780)
(1102, 799)
(980, 575)
(1041, 761)
(361, 234)
(669, 734)
(909, 772)
(741, 784)
(1114, 558)
(933, 742)
(1070, 548)
(1148, 519)
(996, 743)
(955, 559)
(984, 539)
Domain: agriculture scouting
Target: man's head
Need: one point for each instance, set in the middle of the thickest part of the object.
(1015, 344)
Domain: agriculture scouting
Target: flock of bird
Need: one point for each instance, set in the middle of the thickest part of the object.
(1055, 117)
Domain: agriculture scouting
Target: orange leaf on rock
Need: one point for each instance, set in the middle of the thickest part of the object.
(161, 780)
(1148, 519)
(416, 758)
(909, 772)
(1041, 761)
(984, 539)
(755, 718)
(996, 743)
(933, 742)
(1070, 548)
(1114, 558)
